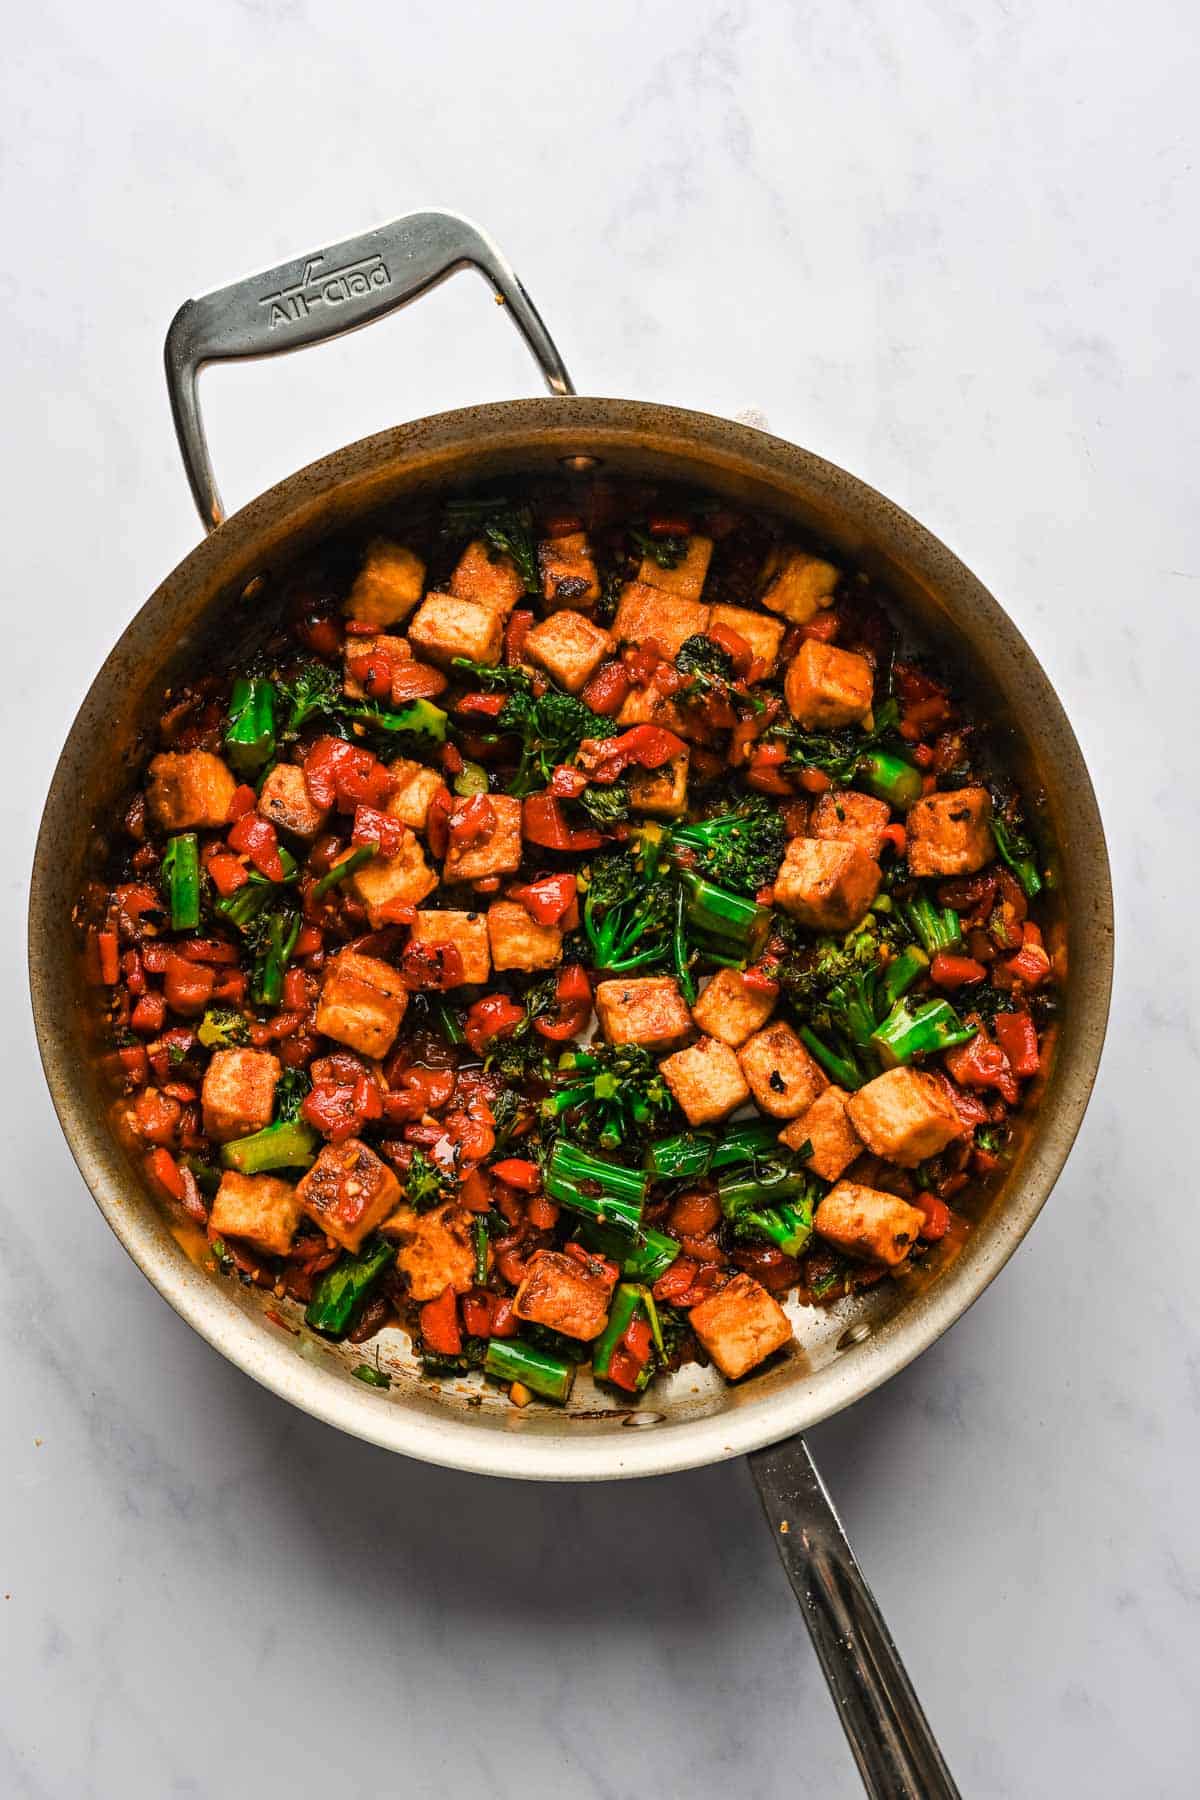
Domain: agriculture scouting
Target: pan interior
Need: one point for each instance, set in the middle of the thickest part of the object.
(694, 1416)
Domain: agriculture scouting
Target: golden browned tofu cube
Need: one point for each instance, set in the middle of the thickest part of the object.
(648, 613)
(951, 833)
(415, 787)
(845, 817)
(730, 1010)
(348, 1192)
(284, 799)
(447, 627)
(362, 1004)
(740, 1326)
(569, 647)
(647, 1010)
(487, 576)
(828, 886)
(763, 635)
(706, 1081)
(390, 881)
(388, 585)
(825, 686)
(437, 1249)
(518, 942)
(662, 793)
(465, 932)
(650, 706)
(238, 1095)
(866, 1222)
(382, 650)
(189, 789)
(904, 1116)
(826, 1126)
(566, 1295)
(496, 852)
(568, 571)
(783, 1077)
(796, 584)
(259, 1208)
(686, 579)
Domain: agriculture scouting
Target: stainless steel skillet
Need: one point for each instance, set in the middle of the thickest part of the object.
(839, 1356)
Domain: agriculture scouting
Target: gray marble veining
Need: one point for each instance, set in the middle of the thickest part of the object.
(953, 247)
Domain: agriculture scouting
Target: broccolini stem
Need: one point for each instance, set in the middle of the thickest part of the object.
(508, 1359)
(890, 778)
(626, 1303)
(939, 928)
(181, 874)
(900, 974)
(931, 1027)
(341, 870)
(1016, 850)
(288, 1144)
(679, 949)
(339, 1294)
(650, 1254)
(479, 1232)
(250, 738)
(596, 1189)
(282, 931)
(838, 1068)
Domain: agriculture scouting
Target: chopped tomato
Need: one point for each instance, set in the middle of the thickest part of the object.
(437, 822)
(824, 628)
(644, 747)
(567, 783)
(547, 899)
(765, 771)
(982, 1064)
(495, 1015)
(338, 773)
(374, 827)
(439, 1324)
(471, 819)
(256, 838)
(432, 967)
(544, 823)
(415, 1092)
(373, 670)
(338, 1110)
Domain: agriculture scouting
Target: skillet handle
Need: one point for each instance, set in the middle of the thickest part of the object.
(889, 1735)
(323, 294)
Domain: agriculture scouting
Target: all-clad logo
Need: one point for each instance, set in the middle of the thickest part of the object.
(333, 288)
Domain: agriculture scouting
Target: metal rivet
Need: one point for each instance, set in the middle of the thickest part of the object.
(579, 465)
(254, 587)
(644, 1418)
(854, 1334)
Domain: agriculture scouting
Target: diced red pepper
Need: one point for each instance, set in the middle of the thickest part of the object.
(256, 838)
(982, 1064)
(340, 773)
(765, 771)
(515, 632)
(134, 1064)
(547, 899)
(739, 652)
(1016, 1034)
(165, 1173)
(475, 1193)
(573, 994)
(439, 1324)
(937, 1217)
(149, 1015)
(227, 873)
(544, 823)
(518, 1173)
(759, 981)
(206, 950)
(437, 822)
(109, 960)
(373, 670)
(483, 706)
(896, 835)
(567, 783)
(244, 801)
(432, 967)
(472, 818)
(541, 1212)
(643, 747)
(824, 628)
(495, 1015)
(187, 986)
(949, 971)
(374, 827)
(416, 681)
(608, 689)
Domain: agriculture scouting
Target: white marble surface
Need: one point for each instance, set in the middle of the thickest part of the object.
(953, 247)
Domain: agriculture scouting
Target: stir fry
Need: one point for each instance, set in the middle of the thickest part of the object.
(563, 930)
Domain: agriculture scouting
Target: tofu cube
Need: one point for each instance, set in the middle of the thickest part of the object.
(565, 1294)
(662, 793)
(437, 1249)
(388, 585)
(569, 647)
(488, 577)
(797, 585)
(763, 635)
(730, 1010)
(390, 881)
(284, 799)
(951, 833)
(904, 1116)
(825, 686)
(686, 579)
(190, 789)
(415, 787)
(783, 1077)
(261, 1209)
(706, 1081)
(649, 612)
(740, 1326)
(382, 652)
(647, 1010)
(238, 1095)
(348, 1192)
(465, 932)
(447, 627)
(826, 1126)
(845, 817)
(568, 571)
(828, 886)
(518, 942)
(362, 1003)
(650, 706)
(496, 852)
(865, 1222)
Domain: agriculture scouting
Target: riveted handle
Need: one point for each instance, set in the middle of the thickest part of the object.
(890, 1737)
(323, 294)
